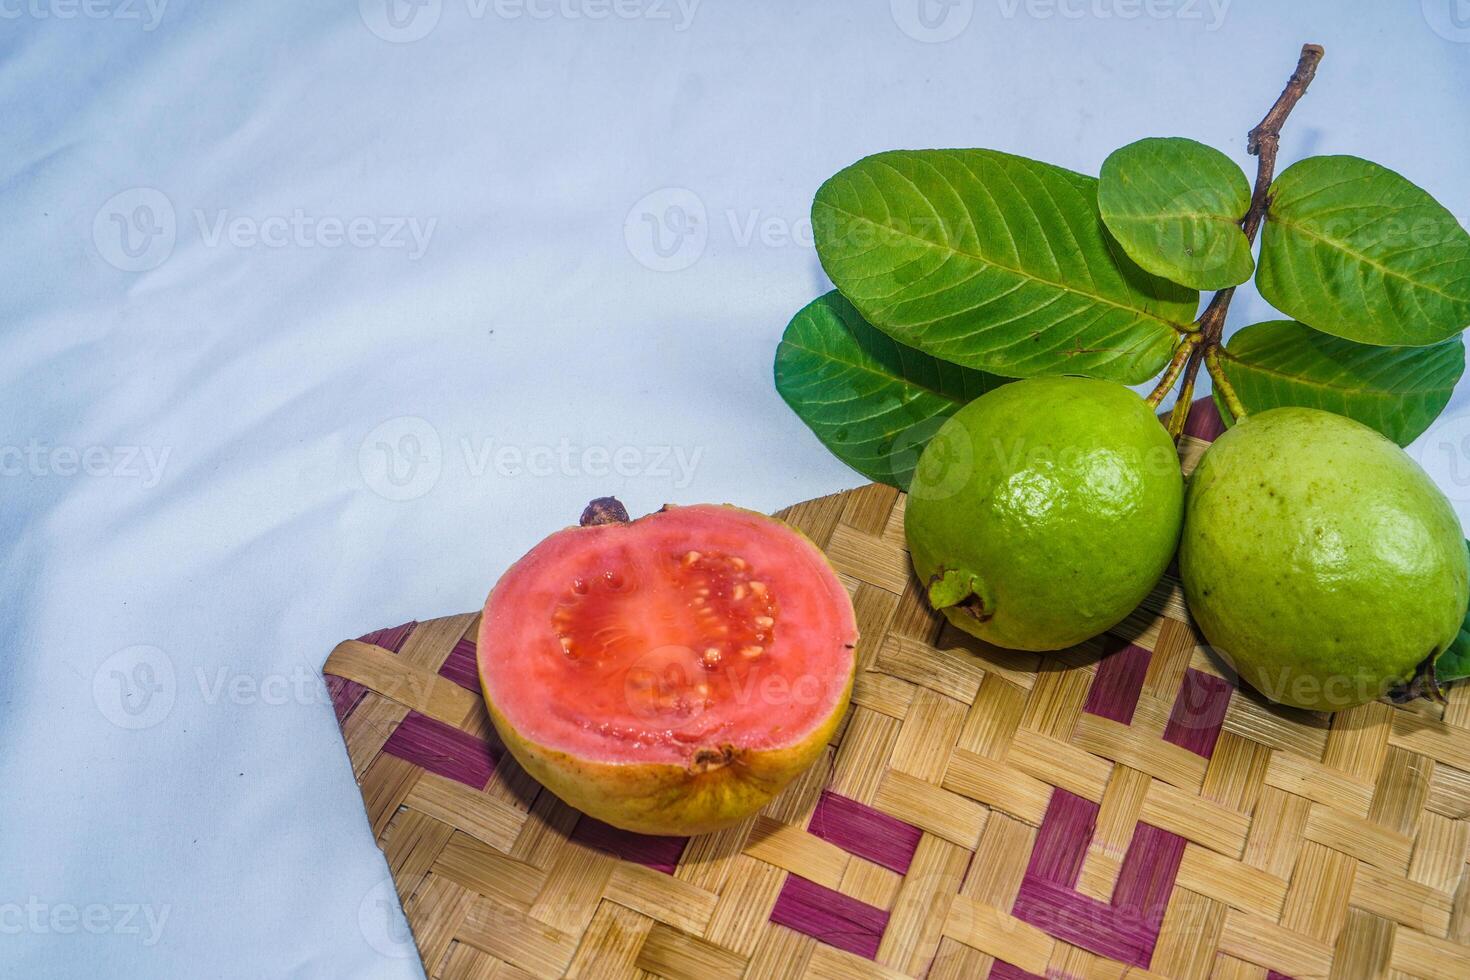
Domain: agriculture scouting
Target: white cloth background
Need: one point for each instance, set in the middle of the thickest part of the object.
(218, 330)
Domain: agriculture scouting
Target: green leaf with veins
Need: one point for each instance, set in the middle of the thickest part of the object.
(995, 262)
(1357, 251)
(1175, 206)
(1454, 663)
(1397, 390)
(871, 401)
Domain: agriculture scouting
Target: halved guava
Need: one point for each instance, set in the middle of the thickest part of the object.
(668, 675)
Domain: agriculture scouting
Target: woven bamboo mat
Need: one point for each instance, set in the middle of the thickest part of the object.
(1115, 809)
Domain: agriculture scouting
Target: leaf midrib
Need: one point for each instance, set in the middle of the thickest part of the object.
(868, 370)
(1298, 379)
(1193, 215)
(1366, 260)
(1177, 328)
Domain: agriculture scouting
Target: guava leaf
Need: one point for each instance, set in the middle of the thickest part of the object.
(1175, 206)
(997, 263)
(873, 402)
(1357, 251)
(1454, 663)
(1397, 390)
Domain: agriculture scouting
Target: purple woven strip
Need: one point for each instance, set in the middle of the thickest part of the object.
(443, 749)
(659, 853)
(1127, 928)
(1273, 975)
(866, 832)
(1204, 420)
(1118, 683)
(460, 666)
(345, 695)
(1198, 713)
(1146, 877)
(829, 916)
(1005, 971)
(1086, 922)
(1062, 841)
(390, 637)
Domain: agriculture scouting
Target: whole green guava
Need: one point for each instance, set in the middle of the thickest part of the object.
(1044, 511)
(1319, 560)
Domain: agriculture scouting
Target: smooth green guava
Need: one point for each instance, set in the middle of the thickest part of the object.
(1319, 560)
(1043, 512)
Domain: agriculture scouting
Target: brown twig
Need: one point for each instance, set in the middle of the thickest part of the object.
(1262, 142)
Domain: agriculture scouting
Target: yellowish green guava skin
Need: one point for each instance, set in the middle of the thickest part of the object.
(1319, 560)
(1043, 512)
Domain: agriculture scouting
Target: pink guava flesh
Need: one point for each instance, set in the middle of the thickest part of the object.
(693, 629)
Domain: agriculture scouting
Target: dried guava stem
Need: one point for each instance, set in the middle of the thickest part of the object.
(604, 510)
(1262, 143)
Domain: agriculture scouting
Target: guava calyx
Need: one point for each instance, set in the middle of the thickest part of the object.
(953, 588)
(708, 760)
(1424, 684)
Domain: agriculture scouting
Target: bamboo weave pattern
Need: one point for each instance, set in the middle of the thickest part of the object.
(1115, 809)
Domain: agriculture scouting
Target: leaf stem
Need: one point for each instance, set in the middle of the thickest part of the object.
(1223, 385)
(1262, 142)
(1182, 404)
(1171, 373)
